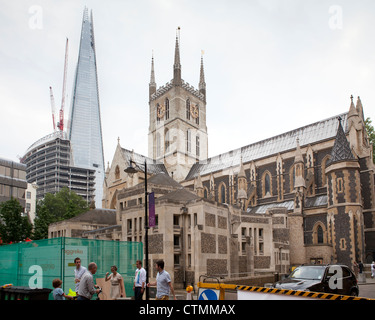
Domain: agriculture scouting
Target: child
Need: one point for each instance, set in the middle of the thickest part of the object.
(58, 293)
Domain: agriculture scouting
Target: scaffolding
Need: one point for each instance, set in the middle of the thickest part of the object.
(37, 263)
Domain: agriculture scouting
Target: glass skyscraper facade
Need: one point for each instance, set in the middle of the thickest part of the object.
(84, 128)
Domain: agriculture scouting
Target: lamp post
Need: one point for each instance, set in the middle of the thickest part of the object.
(131, 170)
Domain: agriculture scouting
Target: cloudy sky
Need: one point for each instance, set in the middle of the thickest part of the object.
(271, 65)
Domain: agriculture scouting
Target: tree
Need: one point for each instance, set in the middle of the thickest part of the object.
(13, 226)
(371, 135)
(63, 205)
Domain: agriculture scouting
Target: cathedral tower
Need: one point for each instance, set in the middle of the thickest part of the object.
(177, 131)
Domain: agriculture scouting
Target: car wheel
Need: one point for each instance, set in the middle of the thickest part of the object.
(354, 293)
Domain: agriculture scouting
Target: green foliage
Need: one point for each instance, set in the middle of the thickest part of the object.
(63, 205)
(371, 135)
(13, 226)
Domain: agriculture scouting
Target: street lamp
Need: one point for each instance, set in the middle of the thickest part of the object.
(130, 171)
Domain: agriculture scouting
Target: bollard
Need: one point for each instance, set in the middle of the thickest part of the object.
(189, 295)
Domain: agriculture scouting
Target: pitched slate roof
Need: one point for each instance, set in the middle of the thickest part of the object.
(162, 179)
(261, 209)
(310, 134)
(182, 194)
(99, 216)
(153, 166)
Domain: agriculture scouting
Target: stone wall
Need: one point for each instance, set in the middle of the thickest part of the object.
(217, 267)
(155, 243)
(208, 243)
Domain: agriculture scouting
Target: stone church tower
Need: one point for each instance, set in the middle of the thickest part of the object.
(344, 214)
(177, 132)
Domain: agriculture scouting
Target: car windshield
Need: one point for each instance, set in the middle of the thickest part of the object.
(308, 273)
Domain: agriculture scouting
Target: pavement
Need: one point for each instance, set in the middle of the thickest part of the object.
(367, 290)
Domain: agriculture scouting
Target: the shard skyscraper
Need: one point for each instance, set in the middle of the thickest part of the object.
(84, 128)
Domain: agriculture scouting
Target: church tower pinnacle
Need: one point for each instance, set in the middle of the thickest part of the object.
(202, 82)
(152, 84)
(177, 64)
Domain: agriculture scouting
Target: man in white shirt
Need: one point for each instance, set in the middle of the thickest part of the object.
(163, 283)
(78, 272)
(139, 281)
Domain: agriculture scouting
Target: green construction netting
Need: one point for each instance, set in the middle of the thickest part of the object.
(22, 263)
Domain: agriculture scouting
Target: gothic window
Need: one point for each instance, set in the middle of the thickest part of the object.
(197, 118)
(292, 177)
(117, 172)
(319, 232)
(158, 145)
(197, 146)
(222, 193)
(167, 141)
(205, 194)
(157, 118)
(166, 109)
(188, 140)
(340, 185)
(267, 184)
(188, 109)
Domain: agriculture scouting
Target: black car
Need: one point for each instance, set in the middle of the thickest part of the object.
(336, 279)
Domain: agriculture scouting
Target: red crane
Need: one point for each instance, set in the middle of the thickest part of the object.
(60, 124)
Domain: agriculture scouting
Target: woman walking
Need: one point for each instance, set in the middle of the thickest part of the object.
(117, 284)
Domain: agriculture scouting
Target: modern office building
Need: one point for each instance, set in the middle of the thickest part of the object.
(48, 165)
(12, 181)
(84, 127)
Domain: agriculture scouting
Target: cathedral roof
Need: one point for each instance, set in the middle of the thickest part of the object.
(153, 166)
(99, 216)
(181, 194)
(311, 202)
(164, 180)
(310, 134)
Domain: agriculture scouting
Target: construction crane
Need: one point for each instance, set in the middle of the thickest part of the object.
(60, 124)
(53, 108)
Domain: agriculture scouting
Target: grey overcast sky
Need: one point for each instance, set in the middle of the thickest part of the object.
(271, 66)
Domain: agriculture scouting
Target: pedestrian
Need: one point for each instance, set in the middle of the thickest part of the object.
(58, 293)
(372, 269)
(117, 284)
(355, 268)
(139, 281)
(87, 288)
(360, 267)
(163, 283)
(78, 272)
